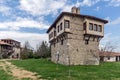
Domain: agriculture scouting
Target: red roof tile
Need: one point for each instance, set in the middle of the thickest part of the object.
(112, 54)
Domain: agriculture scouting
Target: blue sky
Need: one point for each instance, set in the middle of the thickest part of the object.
(28, 20)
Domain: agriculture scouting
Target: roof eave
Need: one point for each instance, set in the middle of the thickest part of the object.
(63, 13)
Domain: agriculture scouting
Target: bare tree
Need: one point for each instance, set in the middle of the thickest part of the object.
(107, 50)
(43, 50)
(27, 51)
(109, 47)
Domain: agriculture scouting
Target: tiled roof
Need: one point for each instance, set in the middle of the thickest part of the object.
(112, 54)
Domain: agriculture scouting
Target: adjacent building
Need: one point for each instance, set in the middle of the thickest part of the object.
(13, 46)
(74, 38)
(109, 56)
(5, 49)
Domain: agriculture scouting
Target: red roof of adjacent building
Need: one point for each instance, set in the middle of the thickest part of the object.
(10, 39)
(3, 43)
(112, 54)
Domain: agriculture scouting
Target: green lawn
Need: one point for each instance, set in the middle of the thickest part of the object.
(47, 69)
(4, 75)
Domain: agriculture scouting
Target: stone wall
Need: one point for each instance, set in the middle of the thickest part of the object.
(62, 50)
(74, 47)
(81, 53)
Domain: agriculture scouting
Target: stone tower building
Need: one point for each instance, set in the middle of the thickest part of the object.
(74, 38)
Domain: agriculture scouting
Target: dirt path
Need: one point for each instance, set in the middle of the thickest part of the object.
(17, 72)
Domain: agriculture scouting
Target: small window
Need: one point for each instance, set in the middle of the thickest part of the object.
(108, 58)
(51, 35)
(84, 26)
(61, 26)
(100, 28)
(58, 28)
(90, 26)
(54, 33)
(95, 27)
(67, 24)
(86, 42)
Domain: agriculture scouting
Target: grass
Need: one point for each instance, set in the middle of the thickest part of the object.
(49, 70)
(4, 75)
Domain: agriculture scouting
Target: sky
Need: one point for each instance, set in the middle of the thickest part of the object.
(28, 20)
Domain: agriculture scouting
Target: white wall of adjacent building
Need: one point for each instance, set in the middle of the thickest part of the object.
(110, 59)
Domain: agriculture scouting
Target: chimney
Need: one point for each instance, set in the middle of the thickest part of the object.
(78, 10)
(75, 10)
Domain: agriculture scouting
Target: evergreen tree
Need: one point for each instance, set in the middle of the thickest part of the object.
(27, 51)
(43, 50)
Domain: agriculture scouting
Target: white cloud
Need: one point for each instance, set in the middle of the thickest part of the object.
(33, 38)
(89, 2)
(47, 7)
(115, 3)
(107, 18)
(42, 7)
(2, 1)
(5, 10)
(113, 40)
(106, 38)
(114, 22)
(97, 8)
(23, 22)
(106, 0)
(110, 37)
(37, 9)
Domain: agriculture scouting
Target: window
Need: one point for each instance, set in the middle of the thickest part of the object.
(61, 26)
(90, 26)
(58, 28)
(100, 28)
(95, 27)
(51, 35)
(108, 58)
(67, 24)
(54, 33)
(86, 42)
(84, 26)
